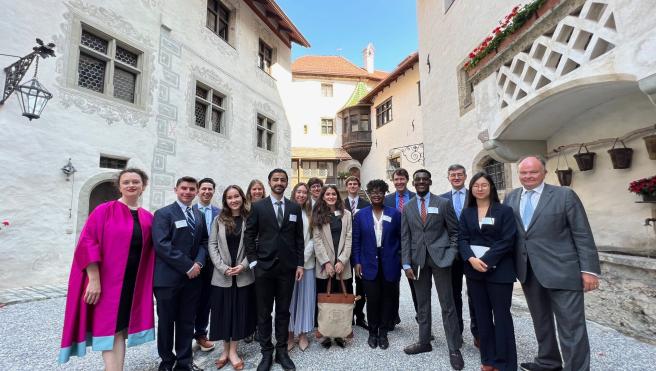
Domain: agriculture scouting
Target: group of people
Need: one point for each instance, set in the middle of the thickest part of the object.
(228, 266)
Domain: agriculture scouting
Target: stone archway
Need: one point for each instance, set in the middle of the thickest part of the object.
(102, 192)
(84, 201)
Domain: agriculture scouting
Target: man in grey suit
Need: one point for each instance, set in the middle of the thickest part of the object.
(556, 260)
(429, 244)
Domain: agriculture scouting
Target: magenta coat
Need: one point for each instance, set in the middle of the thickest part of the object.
(105, 240)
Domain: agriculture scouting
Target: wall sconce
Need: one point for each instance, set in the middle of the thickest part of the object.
(68, 169)
(32, 96)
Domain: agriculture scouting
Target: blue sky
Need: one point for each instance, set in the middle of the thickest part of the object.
(344, 27)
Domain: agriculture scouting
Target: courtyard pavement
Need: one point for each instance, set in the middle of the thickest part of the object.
(30, 336)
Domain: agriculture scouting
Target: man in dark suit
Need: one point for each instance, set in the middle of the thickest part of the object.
(277, 224)
(429, 244)
(353, 203)
(398, 200)
(457, 175)
(206, 187)
(556, 261)
(180, 242)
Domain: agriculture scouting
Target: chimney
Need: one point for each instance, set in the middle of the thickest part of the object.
(368, 57)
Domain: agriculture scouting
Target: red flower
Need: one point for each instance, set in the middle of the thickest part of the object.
(496, 30)
(488, 39)
(466, 64)
(472, 55)
(5, 223)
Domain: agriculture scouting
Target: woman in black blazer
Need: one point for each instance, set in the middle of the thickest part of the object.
(486, 241)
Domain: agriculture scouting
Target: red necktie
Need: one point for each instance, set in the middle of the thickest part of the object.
(401, 202)
(424, 215)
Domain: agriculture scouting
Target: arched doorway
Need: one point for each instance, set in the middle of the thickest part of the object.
(103, 192)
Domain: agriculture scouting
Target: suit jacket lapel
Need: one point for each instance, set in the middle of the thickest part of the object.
(180, 215)
(272, 209)
(328, 238)
(545, 197)
(285, 216)
(414, 212)
(514, 202)
(223, 249)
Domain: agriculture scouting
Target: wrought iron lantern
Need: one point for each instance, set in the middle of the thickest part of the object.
(68, 169)
(32, 95)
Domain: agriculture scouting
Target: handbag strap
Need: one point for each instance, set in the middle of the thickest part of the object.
(341, 283)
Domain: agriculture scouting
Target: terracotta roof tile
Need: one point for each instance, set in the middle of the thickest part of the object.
(332, 65)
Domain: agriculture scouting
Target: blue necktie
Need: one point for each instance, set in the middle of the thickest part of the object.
(458, 203)
(190, 221)
(528, 209)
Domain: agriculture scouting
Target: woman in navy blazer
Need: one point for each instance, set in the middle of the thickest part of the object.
(486, 223)
(376, 251)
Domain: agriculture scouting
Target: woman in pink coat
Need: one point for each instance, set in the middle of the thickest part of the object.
(110, 289)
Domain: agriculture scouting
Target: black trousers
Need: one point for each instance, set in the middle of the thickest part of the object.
(381, 298)
(273, 285)
(358, 311)
(203, 311)
(457, 272)
(176, 312)
(492, 301)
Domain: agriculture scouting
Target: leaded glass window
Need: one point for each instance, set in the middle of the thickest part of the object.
(496, 171)
(209, 108)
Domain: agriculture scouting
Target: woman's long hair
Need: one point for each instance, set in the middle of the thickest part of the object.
(307, 205)
(494, 196)
(321, 212)
(226, 216)
(250, 186)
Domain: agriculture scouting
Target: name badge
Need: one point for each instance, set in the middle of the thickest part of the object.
(180, 223)
(386, 218)
(487, 221)
(292, 217)
(338, 213)
(433, 210)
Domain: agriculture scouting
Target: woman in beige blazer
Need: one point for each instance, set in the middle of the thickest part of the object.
(233, 293)
(331, 233)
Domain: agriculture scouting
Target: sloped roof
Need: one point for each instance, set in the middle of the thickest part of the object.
(276, 19)
(333, 65)
(320, 153)
(405, 65)
(358, 93)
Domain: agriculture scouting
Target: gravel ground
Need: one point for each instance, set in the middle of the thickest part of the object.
(30, 338)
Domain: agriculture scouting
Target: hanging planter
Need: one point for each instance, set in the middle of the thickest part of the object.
(621, 157)
(564, 175)
(585, 160)
(650, 142)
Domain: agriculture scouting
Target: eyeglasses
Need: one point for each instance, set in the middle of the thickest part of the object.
(481, 186)
(457, 175)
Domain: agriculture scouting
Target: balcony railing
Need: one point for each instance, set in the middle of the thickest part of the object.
(356, 136)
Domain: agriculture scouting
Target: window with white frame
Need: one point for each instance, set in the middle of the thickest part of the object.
(327, 127)
(218, 18)
(326, 90)
(265, 133)
(209, 108)
(108, 66)
(384, 113)
(264, 57)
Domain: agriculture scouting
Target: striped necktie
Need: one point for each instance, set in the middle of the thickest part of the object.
(424, 214)
(401, 202)
(190, 221)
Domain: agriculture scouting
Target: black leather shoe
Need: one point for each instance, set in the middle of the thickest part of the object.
(326, 343)
(383, 342)
(456, 360)
(165, 367)
(417, 348)
(340, 342)
(397, 320)
(265, 362)
(372, 341)
(531, 366)
(282, 358)
(362, 323)
(249, 339)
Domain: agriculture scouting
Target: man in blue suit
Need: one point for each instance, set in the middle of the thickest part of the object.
(180, 242)
(398, 200)
(376, 252)
(206, 187)
(457, 176)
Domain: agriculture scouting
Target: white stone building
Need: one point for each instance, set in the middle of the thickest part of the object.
(173, 87)
(580, 72)
(321, 87)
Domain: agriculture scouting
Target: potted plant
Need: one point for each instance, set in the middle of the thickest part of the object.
(564, 175)
(650, 142)
(585, 160)
(645, 187)
(621, 157)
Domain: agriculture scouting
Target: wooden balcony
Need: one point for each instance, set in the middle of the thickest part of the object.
(357, 144)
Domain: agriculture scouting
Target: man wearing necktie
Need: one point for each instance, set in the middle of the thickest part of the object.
(556, 262)
(180, 241)
(206, 188)
(457, 176)
(353, 203)
(277, 259)
(429, 244)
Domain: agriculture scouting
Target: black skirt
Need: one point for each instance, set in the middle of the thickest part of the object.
(130, 277)
(233, 315)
